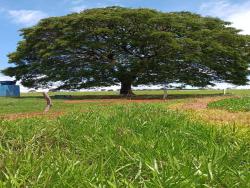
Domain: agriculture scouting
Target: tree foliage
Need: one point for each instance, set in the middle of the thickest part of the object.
(113, 45)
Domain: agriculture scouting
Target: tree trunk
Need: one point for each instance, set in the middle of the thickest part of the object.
(48, 101)
(165, 95)
(165, 90)
(126, 88)
(224, 91)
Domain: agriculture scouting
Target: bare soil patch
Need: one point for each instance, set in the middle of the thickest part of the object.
(197, 103)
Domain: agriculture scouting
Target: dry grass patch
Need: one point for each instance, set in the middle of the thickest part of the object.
(15, 116)
(225, 117)
(198, 110)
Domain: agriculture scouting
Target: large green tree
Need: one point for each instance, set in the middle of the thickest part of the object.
(114, 45)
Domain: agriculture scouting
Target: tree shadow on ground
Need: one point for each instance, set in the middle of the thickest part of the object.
(134, 97)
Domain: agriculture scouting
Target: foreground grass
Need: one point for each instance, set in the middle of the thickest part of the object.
(123, 146)
(232, 104)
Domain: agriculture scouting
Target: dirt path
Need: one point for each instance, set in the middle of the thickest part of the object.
(199, 110)
(109, 101)
(15, 116)
(196, 103)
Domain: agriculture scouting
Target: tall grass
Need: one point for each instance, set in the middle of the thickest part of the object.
(232, 104)
(123, 146)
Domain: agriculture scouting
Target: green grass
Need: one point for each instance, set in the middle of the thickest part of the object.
(123, 146)
(15, 105)
(25, 104)
(126, 145)
(232, 104)
(34, 102)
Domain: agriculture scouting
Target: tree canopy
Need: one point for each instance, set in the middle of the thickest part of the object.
(115, 45)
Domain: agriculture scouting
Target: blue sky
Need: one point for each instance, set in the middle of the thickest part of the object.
(17, 14)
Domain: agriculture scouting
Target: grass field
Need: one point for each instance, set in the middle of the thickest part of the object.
(34, 102)
(233, 104)
(102, 143)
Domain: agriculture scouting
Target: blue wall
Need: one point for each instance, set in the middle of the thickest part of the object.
(9, 91)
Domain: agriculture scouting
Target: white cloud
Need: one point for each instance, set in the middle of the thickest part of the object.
(241, 20)
(80, 5)
(7, 78)
(77, 5)
(78, 8)
(26, 17)
(4, 78)
(238, 14)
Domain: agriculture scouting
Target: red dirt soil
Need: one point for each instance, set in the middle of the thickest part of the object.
(197, 104)
(114, 101)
